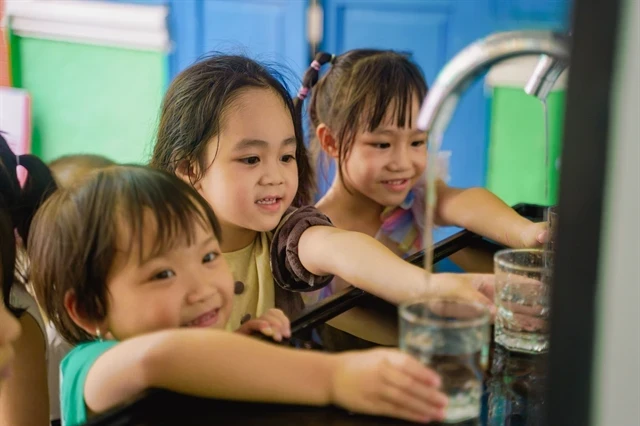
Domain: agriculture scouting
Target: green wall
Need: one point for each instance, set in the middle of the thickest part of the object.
(516, 157)
(90, 99)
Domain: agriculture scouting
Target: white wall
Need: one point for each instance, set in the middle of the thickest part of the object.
(616, 390)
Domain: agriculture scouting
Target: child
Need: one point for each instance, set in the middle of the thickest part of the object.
(9, 326)
(67, 170)
(227, 128)
(363, 112)
(129, 270)
(25, 397)
(71, 169)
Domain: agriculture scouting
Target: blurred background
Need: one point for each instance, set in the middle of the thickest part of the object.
(91, 74)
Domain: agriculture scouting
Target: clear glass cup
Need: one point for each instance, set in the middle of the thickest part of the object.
(452, 337)
(552, 218)
(522, 290)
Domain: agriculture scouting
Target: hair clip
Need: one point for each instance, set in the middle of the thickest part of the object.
(303, 92)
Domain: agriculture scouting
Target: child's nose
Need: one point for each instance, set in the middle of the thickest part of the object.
(201, 290)
(401, 159)
(272, 175)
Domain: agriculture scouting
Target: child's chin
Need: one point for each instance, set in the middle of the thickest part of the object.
(392, 200)
(266, 225)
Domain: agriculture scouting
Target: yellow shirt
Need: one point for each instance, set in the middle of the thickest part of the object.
(250, 266)
(274, 254)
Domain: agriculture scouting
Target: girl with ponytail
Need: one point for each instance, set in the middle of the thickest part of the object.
(363, 113)
(24, 399)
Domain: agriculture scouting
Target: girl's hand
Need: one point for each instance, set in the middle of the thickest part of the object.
(386, 382)
(274, 324)
(534, 235)
(474, 287)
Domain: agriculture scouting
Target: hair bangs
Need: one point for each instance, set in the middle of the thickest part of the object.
(162, 202)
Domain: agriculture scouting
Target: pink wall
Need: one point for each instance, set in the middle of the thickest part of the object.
(4, 57)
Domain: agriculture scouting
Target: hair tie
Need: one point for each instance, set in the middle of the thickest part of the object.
(17, 160)
(333, 59)
(315, 65)
(303, 92)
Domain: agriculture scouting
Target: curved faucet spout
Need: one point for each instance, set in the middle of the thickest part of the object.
(466, 67)
(544, 77)
(474, 61)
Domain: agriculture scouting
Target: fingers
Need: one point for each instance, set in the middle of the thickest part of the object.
(253, 325)
(485, 284)
(275, 324)
(390, 409)
(543, 237)
(412, 368)
(410, 390)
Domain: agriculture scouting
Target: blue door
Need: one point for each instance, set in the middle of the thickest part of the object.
(434, 31)
(268, 30)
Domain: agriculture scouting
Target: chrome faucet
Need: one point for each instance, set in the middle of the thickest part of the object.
(469, 65)
(544, 76)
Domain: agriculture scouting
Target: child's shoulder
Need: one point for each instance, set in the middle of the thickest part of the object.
(309, 215)
(84, 353)
(74, 369)
(288, 271)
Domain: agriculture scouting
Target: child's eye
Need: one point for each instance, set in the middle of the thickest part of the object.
(288, 158)
(417, 143)
(163, 275)
(250, 160)
(209, 257)
(380, 145)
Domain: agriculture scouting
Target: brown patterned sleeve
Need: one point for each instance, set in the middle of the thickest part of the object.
(286, 267)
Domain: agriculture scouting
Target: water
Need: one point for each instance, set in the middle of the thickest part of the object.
(460, 358)
(547, 149)
(522, 320)
(434, 143)
(547, 173)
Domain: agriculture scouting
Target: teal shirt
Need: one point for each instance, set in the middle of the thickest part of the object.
(73, 375)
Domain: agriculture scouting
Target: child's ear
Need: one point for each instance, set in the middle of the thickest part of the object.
(187, 171)
(327, 141)
(79, 316)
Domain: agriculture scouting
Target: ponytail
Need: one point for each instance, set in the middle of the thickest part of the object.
(18, 205)
(310, 78)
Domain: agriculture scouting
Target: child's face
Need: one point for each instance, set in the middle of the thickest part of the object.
(253, 176)
(187, 286)
(385, 164)
(9, 332)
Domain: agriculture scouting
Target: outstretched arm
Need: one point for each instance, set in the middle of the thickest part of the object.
(218, 364)
(366, 263)
(480, 211)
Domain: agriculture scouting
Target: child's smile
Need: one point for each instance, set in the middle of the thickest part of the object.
(208, 319)
(397, 185)
(270, 203)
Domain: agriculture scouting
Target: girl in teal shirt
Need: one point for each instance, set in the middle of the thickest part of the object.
(129, 270)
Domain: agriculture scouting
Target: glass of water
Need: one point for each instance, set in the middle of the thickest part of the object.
(522, 289)
(452, 337)
(552, 218)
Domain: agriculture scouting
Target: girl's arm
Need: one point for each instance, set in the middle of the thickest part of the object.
(218, 364)
(24, 396)
(366, 263)
(480, 211)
